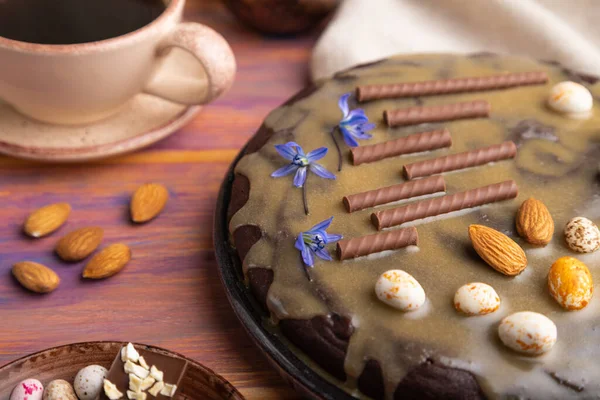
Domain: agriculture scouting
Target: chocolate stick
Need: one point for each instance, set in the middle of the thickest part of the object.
(458, 161)
(415, 143)
(449, 86)
(445, 112)
(442, 205)
(388, 194)
(364, 245)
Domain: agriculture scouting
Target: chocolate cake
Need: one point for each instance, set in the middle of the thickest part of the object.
(433, 184)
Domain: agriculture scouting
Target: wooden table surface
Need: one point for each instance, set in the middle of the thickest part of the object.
(170, 294)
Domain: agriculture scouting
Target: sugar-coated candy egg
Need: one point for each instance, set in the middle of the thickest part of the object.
(570, 283)
(29, 389)
(59, 389)
(476, 298)
(582, 235)
(400, 290)
(571, 99)
(528, 332)
(88, 382)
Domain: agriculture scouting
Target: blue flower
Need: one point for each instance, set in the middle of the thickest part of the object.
(314, 241)
(300, 162)
(354, 124)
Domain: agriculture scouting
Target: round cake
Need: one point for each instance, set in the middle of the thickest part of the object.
(422, 227)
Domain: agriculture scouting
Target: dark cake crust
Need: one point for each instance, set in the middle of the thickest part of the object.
(429, 380)
(260, 280)
(325, 338)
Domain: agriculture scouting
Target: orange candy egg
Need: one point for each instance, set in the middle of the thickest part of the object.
(570, 283)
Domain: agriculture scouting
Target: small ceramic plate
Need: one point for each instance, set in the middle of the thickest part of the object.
(199, 383)
(141, 122)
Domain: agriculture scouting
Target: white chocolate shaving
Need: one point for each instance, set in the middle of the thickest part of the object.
(136, 396)
(147, 383)
(135, 383)
(156, 373)
(155, 390)
(143, 363)
(131, 368)
(131, 354)
(169, 390)
(111, 391)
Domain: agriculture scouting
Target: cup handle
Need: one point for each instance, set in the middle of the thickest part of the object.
(211, 50)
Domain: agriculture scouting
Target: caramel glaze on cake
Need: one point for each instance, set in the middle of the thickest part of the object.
(432, 353)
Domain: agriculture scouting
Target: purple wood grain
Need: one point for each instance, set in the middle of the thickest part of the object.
(170, 294)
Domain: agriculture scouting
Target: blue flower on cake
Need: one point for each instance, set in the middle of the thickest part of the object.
(300, 164)
(314, 241)
(354, 124)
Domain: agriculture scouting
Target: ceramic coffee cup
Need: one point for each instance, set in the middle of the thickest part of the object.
(82, 83)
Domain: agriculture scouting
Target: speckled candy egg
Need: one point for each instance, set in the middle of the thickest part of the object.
(528, 332)
(582, 235)
(400, 290)
(29, 389)
(570, 283)
(59, 389)
(88, 382)
(571, 99)
(476, 298)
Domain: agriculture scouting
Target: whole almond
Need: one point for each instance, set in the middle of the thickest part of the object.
(46, 220)
(107, 262)
(148, 201)
(498, 250)
(35, 277)
(79, 244)
(534, 222)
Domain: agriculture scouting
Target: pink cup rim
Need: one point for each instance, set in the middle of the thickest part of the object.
(133, 37)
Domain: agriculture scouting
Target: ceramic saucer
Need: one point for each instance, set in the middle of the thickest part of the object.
(141, 122)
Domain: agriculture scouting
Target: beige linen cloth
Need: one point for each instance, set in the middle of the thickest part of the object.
(366, 30)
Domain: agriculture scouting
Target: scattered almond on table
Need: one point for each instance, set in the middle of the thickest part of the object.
(148, 201)
(146, 204)
(46, 220)
(78, 244)
(107, 262)
(35, 277)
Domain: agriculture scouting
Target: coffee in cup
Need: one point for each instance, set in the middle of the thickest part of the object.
(74, 21)
(79, 61)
